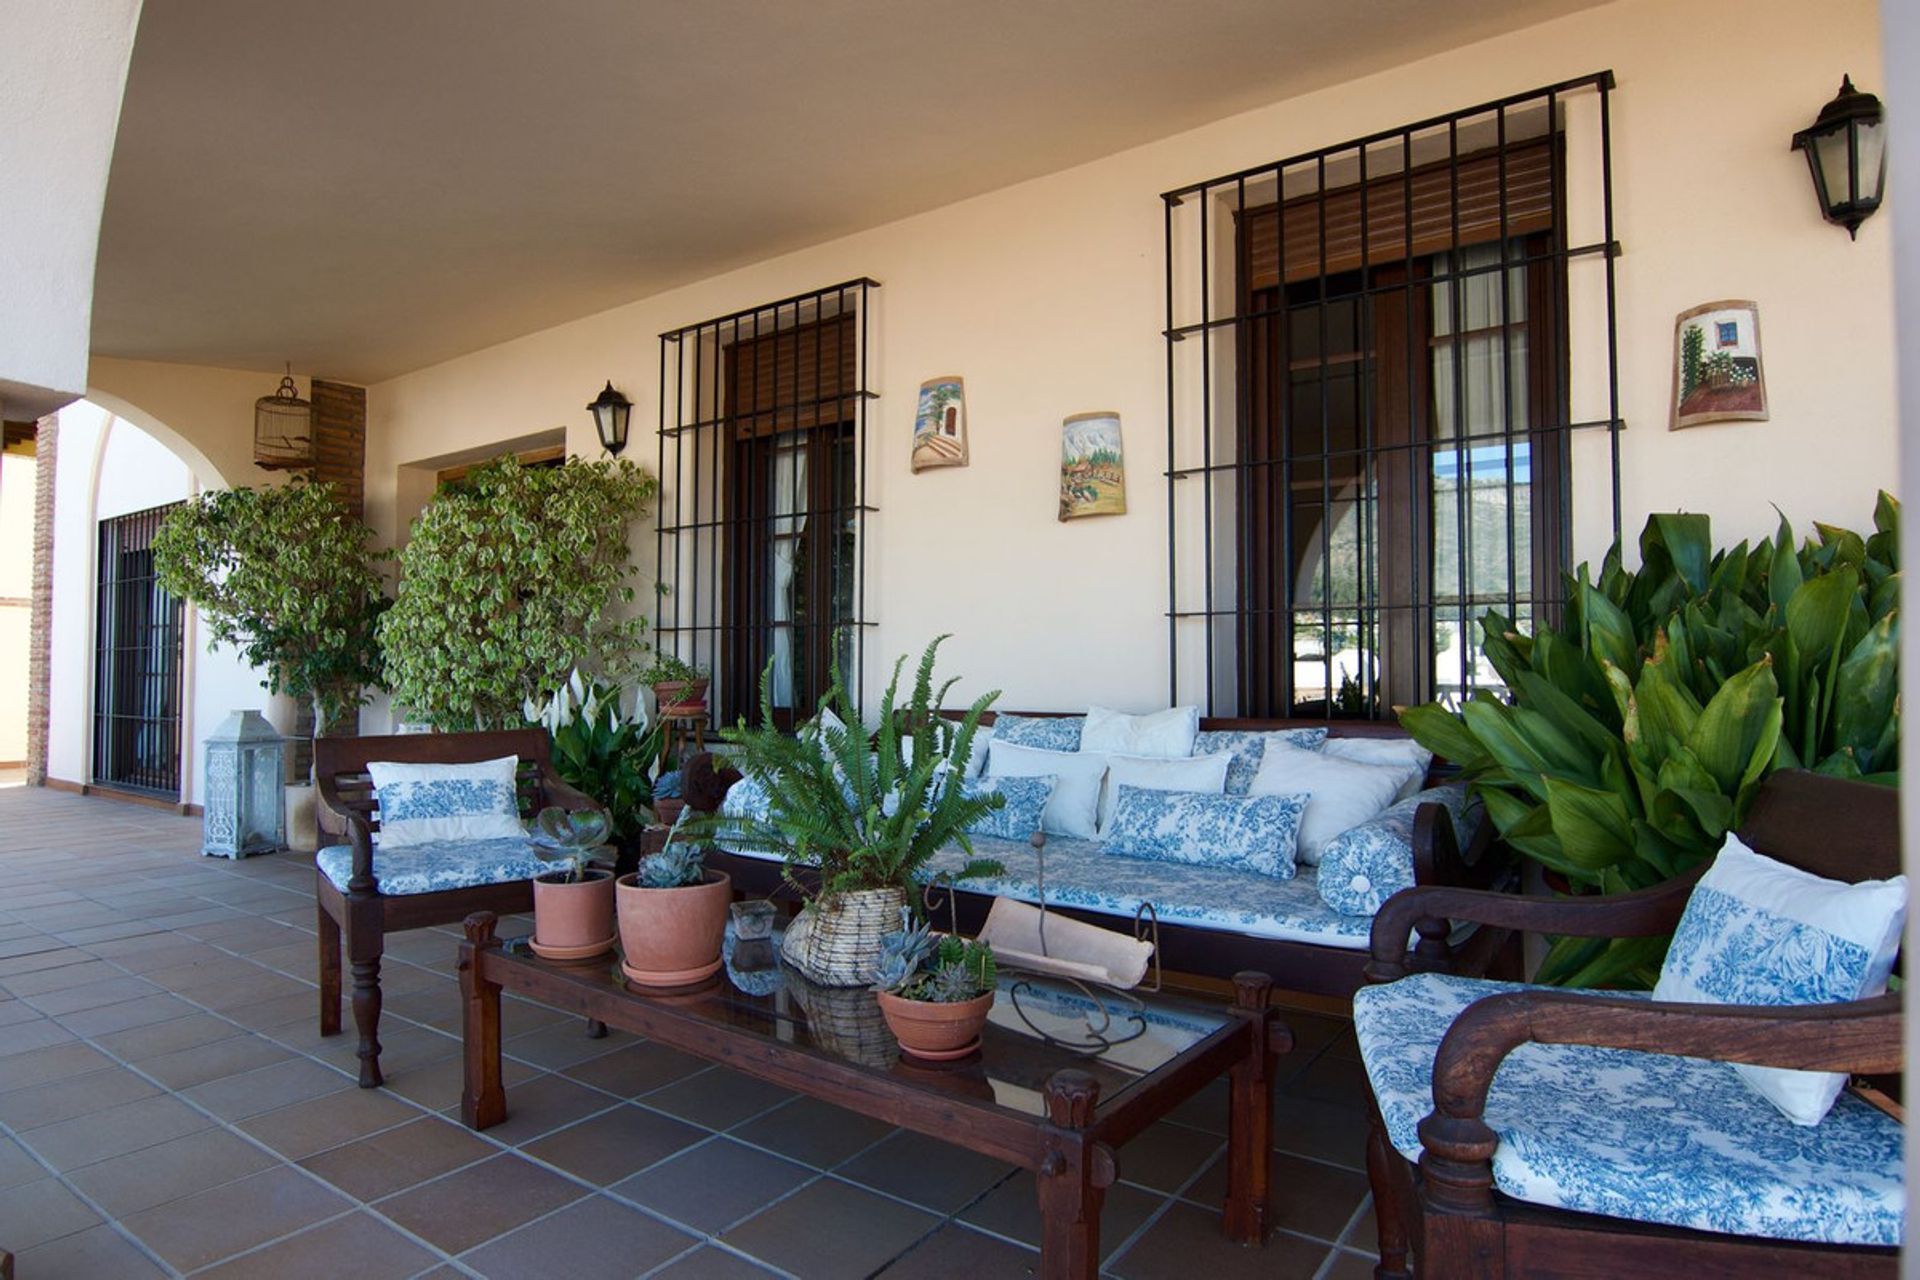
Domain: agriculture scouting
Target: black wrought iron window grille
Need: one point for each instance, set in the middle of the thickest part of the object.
(137, 663)
(763, 503)
(1386, 360)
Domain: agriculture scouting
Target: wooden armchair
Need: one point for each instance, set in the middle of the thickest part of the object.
(501, 878)
(1472, 1200)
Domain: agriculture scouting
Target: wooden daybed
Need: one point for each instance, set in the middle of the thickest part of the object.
(1334, 968)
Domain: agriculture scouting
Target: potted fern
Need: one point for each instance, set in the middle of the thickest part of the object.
(935, 992)
(673, 916)
(856, 822)
(572, 902)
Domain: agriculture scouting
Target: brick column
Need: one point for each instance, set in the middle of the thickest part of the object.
(340, 459)
(40, 623)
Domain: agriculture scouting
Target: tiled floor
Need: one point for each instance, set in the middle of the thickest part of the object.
(167, 1107)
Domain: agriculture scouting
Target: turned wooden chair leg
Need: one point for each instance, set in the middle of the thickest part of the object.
(365, 942)
(329, 932)
(1389, 1213)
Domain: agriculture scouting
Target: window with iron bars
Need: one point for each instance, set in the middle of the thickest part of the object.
(1379, 358)
(763, 470)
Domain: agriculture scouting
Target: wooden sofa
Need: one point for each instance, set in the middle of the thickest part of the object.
(364, 914)
(1298, 965)
(1639, 1144)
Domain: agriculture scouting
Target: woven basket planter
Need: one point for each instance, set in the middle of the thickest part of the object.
(836, 941)
(847, 1021)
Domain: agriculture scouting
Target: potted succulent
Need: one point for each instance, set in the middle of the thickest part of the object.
(572, 902)
(668, 802)
(935, 991)
(673, 916)
(855, 821)
(679, 687)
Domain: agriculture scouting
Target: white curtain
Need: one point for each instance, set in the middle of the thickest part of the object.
(789, 522)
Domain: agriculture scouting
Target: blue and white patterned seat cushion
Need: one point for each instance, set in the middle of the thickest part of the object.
(437, 865)
(1676, 1141)
(1082, 874)
(1365, 865)
(1248, 747)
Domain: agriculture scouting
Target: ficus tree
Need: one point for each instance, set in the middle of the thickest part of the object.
(510, 580)
(1635, 734)
(288, 576)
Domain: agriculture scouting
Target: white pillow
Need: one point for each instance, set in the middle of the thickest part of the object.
(1074, 809)
(1341, 794)
(1163, 734)
(1759, 932)
(1206, 775)
(1413, 759)
(421, 803)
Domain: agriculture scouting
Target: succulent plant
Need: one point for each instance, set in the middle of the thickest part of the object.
(569, 837)
(901, 953)
(914, 965)
(667, 786)
(674, 867)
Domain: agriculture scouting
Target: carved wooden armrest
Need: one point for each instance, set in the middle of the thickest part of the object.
(1862, 1036)
(1431, 911)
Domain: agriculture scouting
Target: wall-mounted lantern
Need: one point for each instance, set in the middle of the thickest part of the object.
(611, 410)
(1846, 150)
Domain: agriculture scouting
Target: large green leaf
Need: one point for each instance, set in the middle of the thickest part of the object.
(1687, 541)
(1742, 718)
(1817, 613)
(1594, 827)
(1609, 634)
(1444, 733)
(1866, 688)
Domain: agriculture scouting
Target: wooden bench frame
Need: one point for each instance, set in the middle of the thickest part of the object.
(1301, 967)
(362, 913)
(1445, 1208)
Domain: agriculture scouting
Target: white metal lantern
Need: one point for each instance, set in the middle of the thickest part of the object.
(246, 809)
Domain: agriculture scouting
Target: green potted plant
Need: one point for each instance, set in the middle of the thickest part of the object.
(935, 992)
(508, 582)
(572, 902)
(1639, 729)
(289, 578)
(856, 823)
(604, 752)
(679, 687)
(673, 916)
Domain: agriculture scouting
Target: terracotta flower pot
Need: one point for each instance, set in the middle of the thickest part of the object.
(681, 697)
(672, 937)
(668, 811)
(928, 1029)
(573, 921)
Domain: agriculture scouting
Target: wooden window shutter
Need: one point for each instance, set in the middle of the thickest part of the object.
(1530, 198)
(794, 379)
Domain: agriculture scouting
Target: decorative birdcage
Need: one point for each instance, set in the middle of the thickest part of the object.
(283, 435)
(246, 805)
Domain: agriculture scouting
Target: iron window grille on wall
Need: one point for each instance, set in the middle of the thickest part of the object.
(1380, 358)
(137, 663)
(763, 508)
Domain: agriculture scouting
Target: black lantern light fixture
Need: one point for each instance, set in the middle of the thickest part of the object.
(611, 410)
(1846, 149)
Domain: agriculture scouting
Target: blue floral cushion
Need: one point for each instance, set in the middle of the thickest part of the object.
(1248, 747)
(1640, 1136)
(426, 803)
(1365, 865)
(436, 865)
(1048, 733)
(1019, 817)
(1245, 833)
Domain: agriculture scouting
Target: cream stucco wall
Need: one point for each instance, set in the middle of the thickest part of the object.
(16, 585)
(1047, 297)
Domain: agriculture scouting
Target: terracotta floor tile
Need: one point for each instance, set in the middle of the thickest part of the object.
(1186, 1242)
(137, 1044)
(612, 1145)
(93, 1254)
(561, 1044)
(635, 1069)
(169, 1170)
(358, 1245)
(1013, 1210)
(132, 1126)
(50, 1065)
(41, 981)
(1322, 1130)
(831, 1230)
(142, 1012)
(307, 1128)
(211, 1225)
(717, 1098)
(399, 1158)
(712, 1264)
(1349, 1266)
(934, 1174)
(71, 1095)
(955, 1252)
(36, 1212)
(1310, 1198)
(715, 1184)
(185, 1068)
(17, 1166)
(1166, 1156)
(480, 1202)
(544, 1104)
(593, 1239)
(268, 1088)
(438, 1085)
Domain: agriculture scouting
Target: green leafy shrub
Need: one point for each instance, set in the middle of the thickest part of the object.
(288, 577)
(859, 816)
(600, 751)
(508, 581)
(1641, 727)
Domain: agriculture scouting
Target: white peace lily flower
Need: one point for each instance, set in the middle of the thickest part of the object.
(531, 711)
(576, 684)
(590, 709)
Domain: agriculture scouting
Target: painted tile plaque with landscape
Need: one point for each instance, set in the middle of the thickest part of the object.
(1717, 374)
(940, 424)
(1093, 476)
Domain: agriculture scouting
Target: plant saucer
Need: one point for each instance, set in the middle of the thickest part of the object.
(588, 952)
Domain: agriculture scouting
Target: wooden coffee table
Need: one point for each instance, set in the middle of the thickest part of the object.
(1024, 1098)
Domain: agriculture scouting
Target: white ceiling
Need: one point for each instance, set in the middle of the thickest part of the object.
(364, 187)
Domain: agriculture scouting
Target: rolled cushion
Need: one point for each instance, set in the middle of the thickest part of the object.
(1361, 868)
(1242, 833)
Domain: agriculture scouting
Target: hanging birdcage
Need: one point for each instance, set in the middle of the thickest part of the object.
(283, 428)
